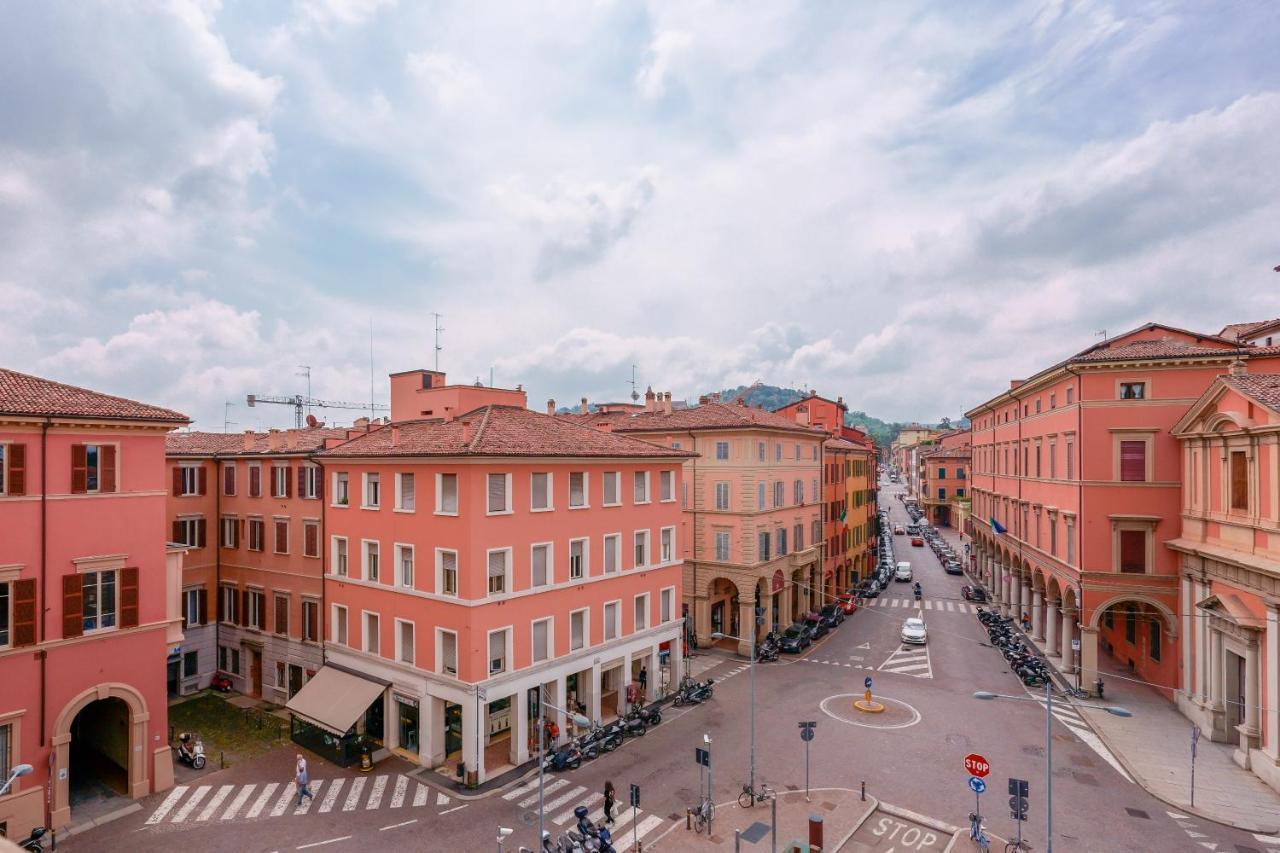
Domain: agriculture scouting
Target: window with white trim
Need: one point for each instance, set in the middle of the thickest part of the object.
(641, 550)
(310, 481)
(761, 451)
(280, 481)
(497, 651)
(642, 612)
(372, 633)
(191, 607)
(230, 532)
(760, 495)
(611, 495)
(498, 567)
(578, 629)
(340, 624)
(404, 566)
(667, 485)
(539, 565)
(668, 604)
(577, 559)
(372, 553)
(722, 546)
(446, 572)
(610, 621)
(447, 662)
(541, 632)
(540, 492)
(577, 489)
(640, 487)
(372, 491)
(612, 553)
(341, 489)
(98, 602)
(190, 480)
(722, 496)
(722, 450)
(340, 567)
(666, 544)
(406, 492)
(405, 641)
(498, 489)
(446, 494)
(255, 602)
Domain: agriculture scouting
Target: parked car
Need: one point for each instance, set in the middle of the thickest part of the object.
(832, 615)
(917, 541)
(848, 604)
(914, 631)
(795, 639)
(899, 530)
(973, 593)
(952, 567)
(902, 573)
(817, 627)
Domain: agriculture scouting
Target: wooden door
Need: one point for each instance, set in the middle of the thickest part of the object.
(255, 671)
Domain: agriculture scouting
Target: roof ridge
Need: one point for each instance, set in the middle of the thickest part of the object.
(480, 430)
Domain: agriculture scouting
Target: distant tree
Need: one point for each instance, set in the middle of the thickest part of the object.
(945, 423)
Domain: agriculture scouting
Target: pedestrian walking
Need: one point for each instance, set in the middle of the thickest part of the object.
(301, 779)
(644, 683)
(609, 796)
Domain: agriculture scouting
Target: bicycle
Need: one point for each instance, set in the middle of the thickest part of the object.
(1017, 847)
(702, 815)
(975, 832)
(749, 798)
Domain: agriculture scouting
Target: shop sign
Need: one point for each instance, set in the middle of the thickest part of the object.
(405, 700)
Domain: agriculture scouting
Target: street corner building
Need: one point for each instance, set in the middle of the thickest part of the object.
(486, 567)
(1127, 501)
(89, 610)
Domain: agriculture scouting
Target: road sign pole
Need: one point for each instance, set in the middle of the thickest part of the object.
(1048, 764)
(1195, 736)
(773, 829)
(806, 771)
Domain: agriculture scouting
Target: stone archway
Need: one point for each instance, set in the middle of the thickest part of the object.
(1133, 633)
(723, 600)
(136, 777)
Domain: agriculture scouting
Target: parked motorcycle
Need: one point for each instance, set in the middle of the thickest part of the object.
(32, 844)
(568, 756)
(695, 694)
(651, 715)
(190, 751)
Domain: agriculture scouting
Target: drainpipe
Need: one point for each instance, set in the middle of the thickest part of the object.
(693, 611)
(321, 617)
(44, 557)
(217, 551)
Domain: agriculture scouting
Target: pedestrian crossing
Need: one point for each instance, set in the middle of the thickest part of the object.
(560, 797)
(941, 605)
(1064, 713)
(909, 660)
(838, 663)
(186, 804)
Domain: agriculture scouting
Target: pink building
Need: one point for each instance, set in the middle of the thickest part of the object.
(1080, 468)
(1228, 551)
(478, 553)
(250, 509)
(88, 598)
(944, 476)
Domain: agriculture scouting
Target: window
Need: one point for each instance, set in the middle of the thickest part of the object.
(1133, 390)
(309, 481)
(641, 548)
(539, 559)
(1133, 461)
(777, 452)
(668, 604)
(13, 469)
(540, 492)
(310, 621)
(942, 494)
(446, 572)
(666, 486)
(98, 600)
(764, 545)
(372, 633)
(722, 546)
(1133, 551)
(282, 535)
(797, 492)
(230, 532)
(311, 539)
(255, 609)
(1153, 638)
(229, 660)
(1071, 544)
(1071, 460)
(340, 556)
(1037, 405)
(255, 480)
(611, 493)
(577, 629)
(190, 669)
(1131, 625)
(1053, 401)
(817, 530)
(446, 494)
(192, 613)
(541, 640)
(499, 493)
(1071, 396)
(640, 487)
(815, 453)
(1239, 480)
(611, 621)
(760, 496)
(1053, 460)
(280, 481)
(760, 451)
(497, 651)
(781, 539)
(406, 496)
(404, 566)
(341, 488)
(189, 531)
(722, 496)
(612, 552)
(666, 544)
(372, 553)
(722, 450)
(797, 451)
(779, 494)
(815, 490)
(372, 491)
(448, 646)
(189, 475)
(497, 572)
(577, 489)
(577, 559)
(641, 612)
(228, 604)
(1053, 535)
(942, 473)
(798, 534)
(281, 623)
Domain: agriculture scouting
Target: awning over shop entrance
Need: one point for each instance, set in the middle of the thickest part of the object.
(334, 699)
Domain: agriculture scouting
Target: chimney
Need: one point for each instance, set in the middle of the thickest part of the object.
(1238, 367)
(583, 407)
(273, 439)
(813, 392)
(361, 424)
(649, 397)
(551, 407)
(466, 432)
(291, 439)
(703, 400)
(250, 440)
(666, 403)
(395, 436)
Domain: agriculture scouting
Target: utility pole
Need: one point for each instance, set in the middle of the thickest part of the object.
(439, 329)
(306, 371)
(226, 416)
(635, 394)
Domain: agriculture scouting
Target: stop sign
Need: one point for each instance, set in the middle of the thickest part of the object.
(976, 765)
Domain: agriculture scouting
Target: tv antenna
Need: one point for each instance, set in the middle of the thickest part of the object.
(1101, 333)
(439, 329)
(635, 394)
(306, 371)
(226, 416)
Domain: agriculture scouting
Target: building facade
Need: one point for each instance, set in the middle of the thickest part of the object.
(944, 479)
(88, 598)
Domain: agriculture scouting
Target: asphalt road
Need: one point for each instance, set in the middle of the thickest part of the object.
(917, 764)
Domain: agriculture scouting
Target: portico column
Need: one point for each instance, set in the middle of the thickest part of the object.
(1216, 690)
(559, 696)
(1088, 656)
(471, 736)
(1051, 628)
(593, 703)
(1188, 677)
(1015, 597)
(766, 603)
(702, 619)
(746, 624)
(1271, 702)
(1068, 634)
(1025, 597)
(1250, 733)
(1204, 652)
(1037, 615)
(521, 728)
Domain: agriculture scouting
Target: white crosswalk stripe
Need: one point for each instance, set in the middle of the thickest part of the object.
(212, 809)
(522, 790)
(169, 802)
(286, 797)
(589, 802)
(547, 789)
(305, 806)
(241, 798)
(353, 795)
(263, 798)
(559, 801)
(331, 796)
(1070, 717)
(190, 805)
(642, 829)
(375, 796)
(442, 799)
(912, 661)
(402, 787)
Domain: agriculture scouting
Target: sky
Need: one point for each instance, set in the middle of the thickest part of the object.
(905, 204)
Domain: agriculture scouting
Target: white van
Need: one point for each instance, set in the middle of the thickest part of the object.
(903, 573)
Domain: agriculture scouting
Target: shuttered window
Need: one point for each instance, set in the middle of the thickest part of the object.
(23, 594)
(611, 620)
(1133, 461)
(763, 546)
(611, 496)
(93, 468)
(406, 498)
(13, 469)
(497, 652)
(310, 620)
(449, 652)
(541, 637)
(538, 565)
(1133, 551)
(497, 490)
(448, 499)
(282, 614)
(229, 478)
(577, 629)
(310, 539)
(256, 534)
(1239, 480)
(667, 485)
(448, 572)
(255, 481)
(577, 489)
(282, 536)
(722, 496)
(497, 572)
(577, 559)
(540, 491)
(612, 546)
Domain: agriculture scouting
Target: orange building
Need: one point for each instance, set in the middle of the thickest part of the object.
(944, 477)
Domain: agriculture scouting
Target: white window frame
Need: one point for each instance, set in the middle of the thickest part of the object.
(586, 628)
(551, 639)
(550, 491)
(441, 667)
(616, 538)
(311, 475)
(399, 641)
(637, 607)
(310, 602)
(190, 600)
(400, 549)
(507, 649)
(616, 604)
(666, 486)
(439, 509)
(507, 579)
(228, 597)
(222, 480)
(722, 488)
(229, 524)
(365, 633)
(638, 477)
(550, 564)
(341, 490)
(190, 479)
(399, 483)
(648, 548)
(722, 445)
(342, 637)
(662, 533)
(440, 585)
(280, 473)
(345, 572)
(617, 488)
(585, 542)
(306, 523)
(506, 493)
(667, 604)
(728, 545)
(365, 481)
(364, 560)
(275, 534)
(586, 489)
(254, 600)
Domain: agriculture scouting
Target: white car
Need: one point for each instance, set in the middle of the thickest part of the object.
(914, 631)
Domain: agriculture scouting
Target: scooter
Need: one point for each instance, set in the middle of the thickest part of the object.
(651, 715)
(32, 844)
(596, 837)
(568, 756)
(190, 751)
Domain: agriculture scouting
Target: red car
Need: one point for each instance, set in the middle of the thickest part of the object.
(847, 603)
(917, 541)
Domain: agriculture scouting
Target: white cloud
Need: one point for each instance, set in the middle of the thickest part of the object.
(652, 77)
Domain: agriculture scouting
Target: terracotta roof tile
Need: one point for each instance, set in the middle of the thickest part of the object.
(949, 453)
(711, 416)
(232, 443)
(500, 431)
(1142, 350)
(21, 394)
(1234, 331)
(1263, 387)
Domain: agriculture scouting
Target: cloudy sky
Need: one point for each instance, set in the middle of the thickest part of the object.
(904, 203)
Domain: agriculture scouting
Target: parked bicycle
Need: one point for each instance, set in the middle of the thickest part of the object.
(1017, 847)
(976, 833)
(702, 815)
(750, 797)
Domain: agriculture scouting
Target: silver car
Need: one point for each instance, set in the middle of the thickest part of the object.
(914, 631)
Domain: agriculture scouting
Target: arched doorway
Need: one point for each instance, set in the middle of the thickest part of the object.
(722, 602)
(1135, 637)
(99, 742)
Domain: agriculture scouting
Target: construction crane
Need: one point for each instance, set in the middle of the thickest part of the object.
(301, 402)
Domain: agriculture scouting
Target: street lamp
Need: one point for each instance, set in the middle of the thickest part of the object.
(1114, 710)
(578, 720)
(717, 635)
(19, 770)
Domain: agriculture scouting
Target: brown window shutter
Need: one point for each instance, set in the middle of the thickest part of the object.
(177, 480)
(235, 533)
(186, 615)
(319, 483)
(177, 531)
(255, 481)
(72, 605)
(222, 615)
(17, 484)
(79, 469)
(312, 535)
(262, 616)
(288, 484)
(302, 484)
(201, 528)
(24, 612)
(129, 597)
(282, 615)
(107, 468)
(312, 615)
(242, 617)
(202, 606)
(1133, 551)
(202, 481)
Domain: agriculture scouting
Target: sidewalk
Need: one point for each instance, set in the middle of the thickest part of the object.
(840, 808)
(1154, 745)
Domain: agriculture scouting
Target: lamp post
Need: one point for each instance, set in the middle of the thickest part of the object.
(722, 636)
(1048, 743)
(18, 770)
(578, 720)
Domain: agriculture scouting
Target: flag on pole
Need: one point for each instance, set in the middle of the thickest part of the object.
(997, 526)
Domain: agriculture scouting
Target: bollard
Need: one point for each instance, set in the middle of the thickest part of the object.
(815, 832)
(688, 819)
(222, 762)
(864, 790)
(737, 841)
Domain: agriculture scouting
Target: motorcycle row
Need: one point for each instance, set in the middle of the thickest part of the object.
(1022, 659)
(585, 837)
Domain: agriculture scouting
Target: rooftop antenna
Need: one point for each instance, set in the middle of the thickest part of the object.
(306, 371)
(226, 416)
(1101, 333)
(490, 377)
(635, 395)
(439, 329)
(371, 415)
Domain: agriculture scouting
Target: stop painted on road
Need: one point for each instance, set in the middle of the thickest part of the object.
(884, 833)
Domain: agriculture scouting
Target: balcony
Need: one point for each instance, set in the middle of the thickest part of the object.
(800, 559)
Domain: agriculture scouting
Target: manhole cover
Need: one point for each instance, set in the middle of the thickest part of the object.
(755, 832)
(529, 818)
(1139, 813)
(1033, 750)
(829, 806)
(1085, 778)
(674, 816)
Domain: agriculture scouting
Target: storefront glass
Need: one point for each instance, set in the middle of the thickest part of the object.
(407, 711)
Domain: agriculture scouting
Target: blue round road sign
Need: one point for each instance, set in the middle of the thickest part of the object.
(977, 785)
(806, 734)
(868, 682)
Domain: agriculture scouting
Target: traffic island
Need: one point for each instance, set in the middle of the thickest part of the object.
(848, 708)
(839, 811)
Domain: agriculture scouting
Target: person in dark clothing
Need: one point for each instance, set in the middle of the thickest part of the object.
(644, 683)
(610, 795)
